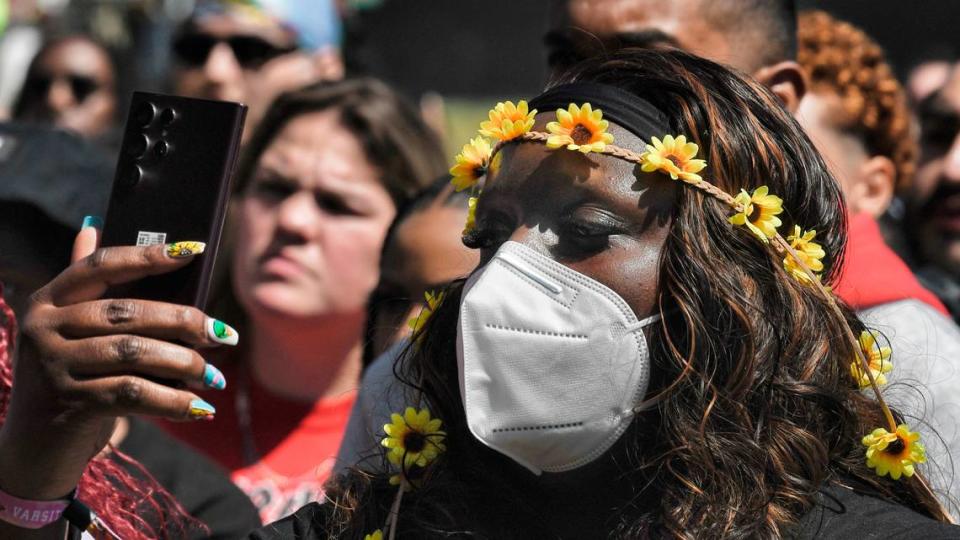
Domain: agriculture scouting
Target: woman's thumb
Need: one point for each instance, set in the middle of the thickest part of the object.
(88, 239)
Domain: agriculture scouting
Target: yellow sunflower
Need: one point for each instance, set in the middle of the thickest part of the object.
(433, 300)
(471, 215)
(579, 128)
(878, 358)
(673, 156)
(759, 212)
(894, 453)
(471, 164)
(413, 439)
(375, 535)
(508, 121)
(810, 254)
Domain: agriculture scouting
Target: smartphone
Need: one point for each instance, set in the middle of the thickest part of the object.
(172, 183)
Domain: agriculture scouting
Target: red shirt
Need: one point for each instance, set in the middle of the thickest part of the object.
(295, 442)
(873, 274)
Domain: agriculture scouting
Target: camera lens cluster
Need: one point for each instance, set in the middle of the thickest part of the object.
(153, 123)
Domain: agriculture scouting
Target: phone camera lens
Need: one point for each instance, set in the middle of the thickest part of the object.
(138, 146)
(161, 148)
(130, 176)
(144, 114)
(167, 116)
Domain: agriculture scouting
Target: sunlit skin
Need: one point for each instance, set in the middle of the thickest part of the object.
(935, 193)
(223, 78)
(90, 117)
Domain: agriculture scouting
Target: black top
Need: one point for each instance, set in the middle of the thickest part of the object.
(198, 484)
(840, 514)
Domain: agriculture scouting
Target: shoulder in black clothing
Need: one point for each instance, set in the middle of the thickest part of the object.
(201, 486)
(842, 513)
(307, 523)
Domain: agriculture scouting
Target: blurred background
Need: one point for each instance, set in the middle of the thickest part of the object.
(463, 51)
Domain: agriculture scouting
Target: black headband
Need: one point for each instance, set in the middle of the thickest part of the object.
(635, 114)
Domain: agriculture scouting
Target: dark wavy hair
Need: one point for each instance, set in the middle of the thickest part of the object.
(759, 411)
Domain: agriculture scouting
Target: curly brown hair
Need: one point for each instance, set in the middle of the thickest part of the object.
(755, 416)
(841, 59)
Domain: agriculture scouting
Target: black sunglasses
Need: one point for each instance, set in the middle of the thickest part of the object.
(81, 86)
(193, 49)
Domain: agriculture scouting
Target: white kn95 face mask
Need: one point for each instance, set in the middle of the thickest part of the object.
(553, 364)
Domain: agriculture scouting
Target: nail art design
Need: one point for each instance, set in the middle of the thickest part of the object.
(222, 332)
(92, 221)
(213, 378)
(179, 250)
(201, 410)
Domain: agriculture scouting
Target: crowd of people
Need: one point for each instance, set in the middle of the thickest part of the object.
(706, 284)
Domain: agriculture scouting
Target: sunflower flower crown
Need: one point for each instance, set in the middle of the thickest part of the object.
(414, 439)
(893, 449)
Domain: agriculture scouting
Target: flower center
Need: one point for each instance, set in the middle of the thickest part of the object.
(755, 212)
(580, 134)
(414, 441)
(895, 447)
(675, 160)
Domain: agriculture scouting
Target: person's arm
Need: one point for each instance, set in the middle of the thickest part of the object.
(83, 361)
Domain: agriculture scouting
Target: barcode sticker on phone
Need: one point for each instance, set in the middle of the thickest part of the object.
(147, 238)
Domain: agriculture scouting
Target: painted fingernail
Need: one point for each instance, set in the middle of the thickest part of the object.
(213, 378)
(201, 410)
(92, 221)
(222, 332)
(179, 250)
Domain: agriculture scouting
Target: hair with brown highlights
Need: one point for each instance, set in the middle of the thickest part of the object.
(841, 59)
(759, 410)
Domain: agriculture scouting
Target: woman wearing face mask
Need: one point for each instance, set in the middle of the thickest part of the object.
(641, 353)
(316, 192)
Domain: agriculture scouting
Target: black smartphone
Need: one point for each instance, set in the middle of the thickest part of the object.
(172, 184)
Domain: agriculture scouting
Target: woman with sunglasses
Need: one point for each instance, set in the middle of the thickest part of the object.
(71, 84)
(252, 51)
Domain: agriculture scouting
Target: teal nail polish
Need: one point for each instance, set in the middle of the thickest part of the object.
(201, 409)
(213, 378)
(92, 221)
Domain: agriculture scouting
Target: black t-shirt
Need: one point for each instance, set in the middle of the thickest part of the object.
(840, 514)
(198, 484)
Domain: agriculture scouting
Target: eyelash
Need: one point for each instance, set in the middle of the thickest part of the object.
(573, 233)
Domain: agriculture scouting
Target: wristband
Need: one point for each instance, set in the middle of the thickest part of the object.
(32, 514)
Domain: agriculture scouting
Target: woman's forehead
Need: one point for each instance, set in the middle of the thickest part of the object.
(526, 163)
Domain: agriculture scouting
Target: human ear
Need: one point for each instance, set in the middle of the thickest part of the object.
(872, 190)
(786, 80)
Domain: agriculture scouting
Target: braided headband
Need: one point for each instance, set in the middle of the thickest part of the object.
(414, 439)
